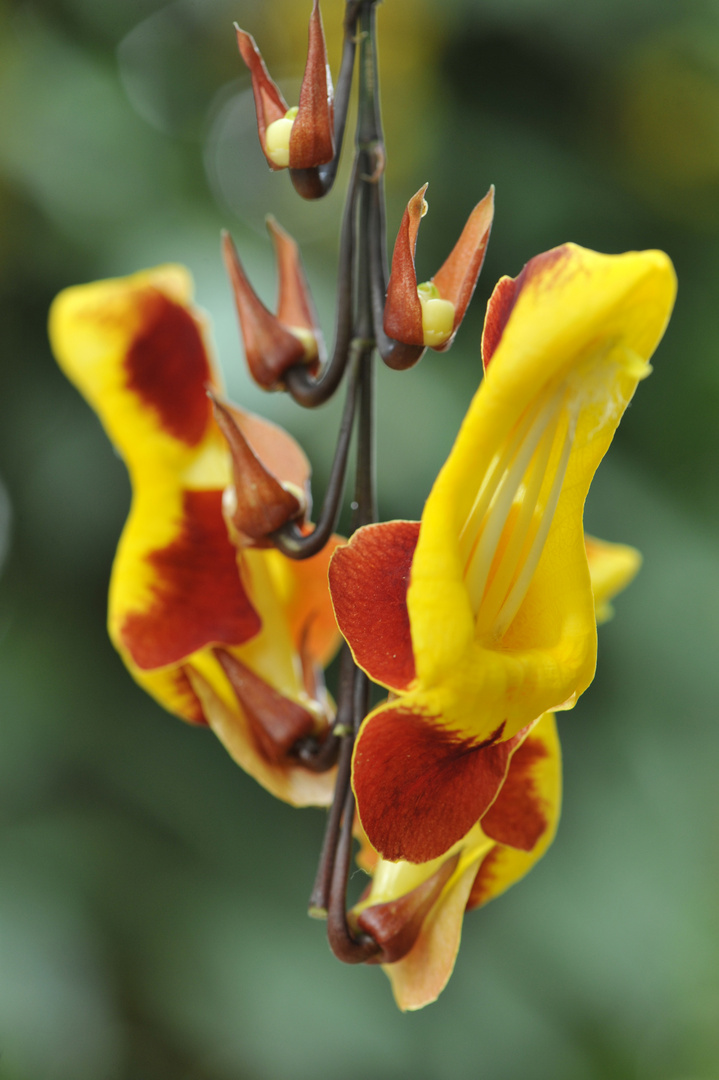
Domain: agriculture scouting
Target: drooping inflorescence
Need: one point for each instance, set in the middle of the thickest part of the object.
(227, 602)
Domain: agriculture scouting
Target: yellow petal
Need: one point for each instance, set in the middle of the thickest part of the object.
(500, 602)
(138, 352)
(503, 865)
(611, 568)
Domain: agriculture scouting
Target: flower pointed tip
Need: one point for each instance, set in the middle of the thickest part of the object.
(418, 205)
(258, 503)
(311, 137)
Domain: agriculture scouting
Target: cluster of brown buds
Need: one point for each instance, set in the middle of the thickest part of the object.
(380, 309)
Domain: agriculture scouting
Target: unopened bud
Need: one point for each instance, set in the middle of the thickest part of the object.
(302, 137)
(429, 314)
(257, 503)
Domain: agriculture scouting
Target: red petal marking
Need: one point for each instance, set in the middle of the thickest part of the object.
(294, 302)
(484, 881)
(396, 924)
(269, 103)
(262, 504)
(506, 293)
(269, 347)
(191, 707)
(457, 277)
(198, 595)
(312, 140)
(402, 309)
(421, 788)
(168, 368)
(516, 817)
(369, 578)
(276, 721)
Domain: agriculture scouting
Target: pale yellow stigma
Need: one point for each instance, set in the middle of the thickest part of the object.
(437, 315)
(277, 139)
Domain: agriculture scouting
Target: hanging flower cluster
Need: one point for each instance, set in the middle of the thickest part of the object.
(227, 603)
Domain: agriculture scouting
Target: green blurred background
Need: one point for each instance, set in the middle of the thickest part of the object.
(152, 897)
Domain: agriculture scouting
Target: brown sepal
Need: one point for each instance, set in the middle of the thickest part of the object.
(312, 139)
(457, 277)
(455, 280)
(270, 349)
(262, 504)
(396, 924)
(294, 300)
(277, 722)
(402, 309)
(269, 102)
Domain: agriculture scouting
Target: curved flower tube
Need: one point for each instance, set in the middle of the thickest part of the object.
(233, 638)
(483, 619)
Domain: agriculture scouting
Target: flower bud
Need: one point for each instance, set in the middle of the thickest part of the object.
(257, 503)
(301, 137)
(398, 902)
(277, 722)
(429, 314)
(274, 343)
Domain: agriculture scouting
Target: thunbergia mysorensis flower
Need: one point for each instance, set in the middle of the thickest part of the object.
(415, 911)
(429, 314)
(301, 137)
(225, 636)
(274, 343)
(482, 619)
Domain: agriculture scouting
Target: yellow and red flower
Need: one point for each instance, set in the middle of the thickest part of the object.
(482, 619)
(415, 911)
(225, 635)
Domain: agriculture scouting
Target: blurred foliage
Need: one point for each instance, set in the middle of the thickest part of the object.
(151, 895)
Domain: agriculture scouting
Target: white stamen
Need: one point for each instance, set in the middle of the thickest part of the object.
(516, 551)
(472, 526)
(519, 589)
(495, 519)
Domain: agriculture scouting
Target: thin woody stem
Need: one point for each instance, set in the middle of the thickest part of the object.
(309, 390)
(290, 539)
(348, 947)
(344, 726)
